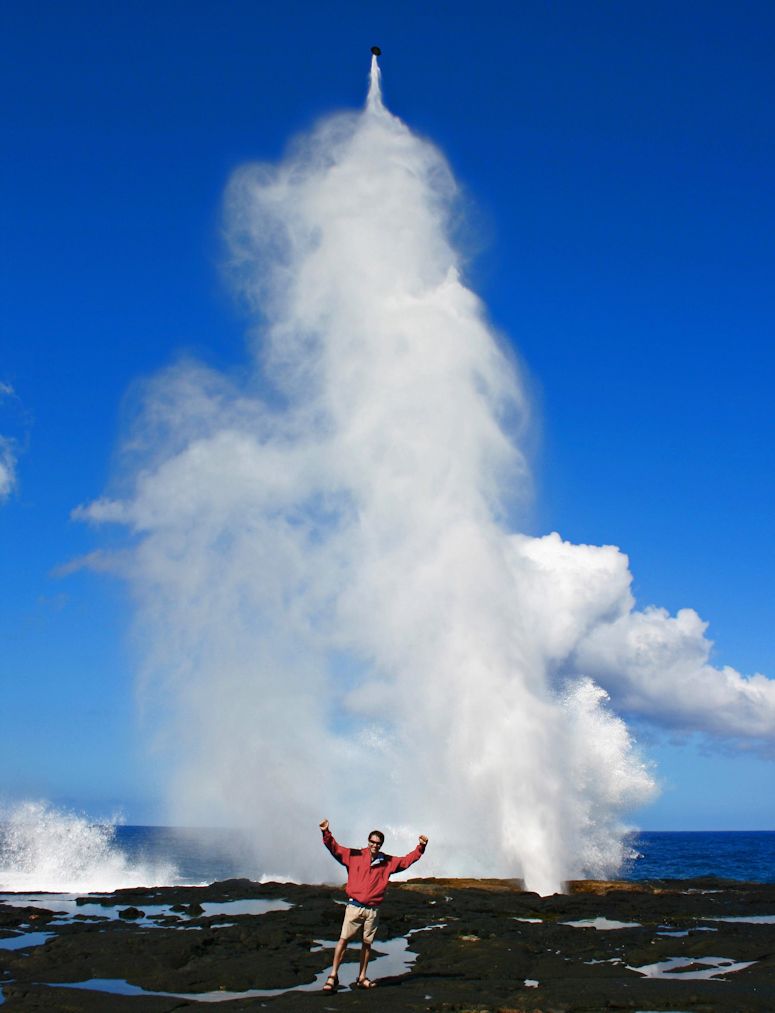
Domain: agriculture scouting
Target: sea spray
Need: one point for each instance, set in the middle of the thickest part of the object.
(333, 616)
(47, 849)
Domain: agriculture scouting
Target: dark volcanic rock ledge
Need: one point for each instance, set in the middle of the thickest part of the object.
(490, 946)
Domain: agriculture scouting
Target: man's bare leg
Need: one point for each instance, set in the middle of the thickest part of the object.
(339, 949)
(365, 957)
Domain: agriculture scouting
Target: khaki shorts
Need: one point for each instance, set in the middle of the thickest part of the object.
(355, 917)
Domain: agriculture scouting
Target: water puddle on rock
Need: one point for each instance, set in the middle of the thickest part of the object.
(395, 959)
(602, 924)
(667, 930)
(119, 986)
(67, 906)
(686, 968)
(230, 908)
(745, 919)
(21, 942)
(64, 904)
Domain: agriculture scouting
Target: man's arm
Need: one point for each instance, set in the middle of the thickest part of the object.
(342, 855)
(399, 864)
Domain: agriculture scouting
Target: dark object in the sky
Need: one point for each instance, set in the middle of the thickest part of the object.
(376, 50)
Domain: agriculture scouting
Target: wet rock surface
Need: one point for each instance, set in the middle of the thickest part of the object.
(489, 946)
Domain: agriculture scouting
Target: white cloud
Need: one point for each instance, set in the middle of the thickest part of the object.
(652, 664)
(7, 467)
(8, 454)
(656, 665)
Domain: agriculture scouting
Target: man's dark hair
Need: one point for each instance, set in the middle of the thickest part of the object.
(378, 833)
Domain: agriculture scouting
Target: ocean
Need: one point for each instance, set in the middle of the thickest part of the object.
(730, 854)
(202, 856)
(69, 855)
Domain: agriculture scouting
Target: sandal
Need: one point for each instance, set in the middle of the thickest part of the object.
(365, 983)
(332, 983)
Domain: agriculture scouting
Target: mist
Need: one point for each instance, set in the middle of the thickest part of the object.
(334, 615)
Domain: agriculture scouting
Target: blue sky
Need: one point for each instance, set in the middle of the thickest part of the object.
(617, 162)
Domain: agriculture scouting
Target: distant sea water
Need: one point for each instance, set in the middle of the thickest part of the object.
(731, 854)
(201, 856)
(68, 855)
(197, 855)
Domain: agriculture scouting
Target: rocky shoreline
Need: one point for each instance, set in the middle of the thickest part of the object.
(442, 945)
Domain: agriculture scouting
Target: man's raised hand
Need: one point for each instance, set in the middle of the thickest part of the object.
(324, 825)
(423, 840)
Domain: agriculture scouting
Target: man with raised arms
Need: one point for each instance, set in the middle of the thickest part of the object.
(368, 871)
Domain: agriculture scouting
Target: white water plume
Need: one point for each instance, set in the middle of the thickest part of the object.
(333, 616)
(44, 849)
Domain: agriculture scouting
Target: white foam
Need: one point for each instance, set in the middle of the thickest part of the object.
(48, 849)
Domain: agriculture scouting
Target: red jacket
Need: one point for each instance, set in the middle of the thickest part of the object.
(367, 880)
